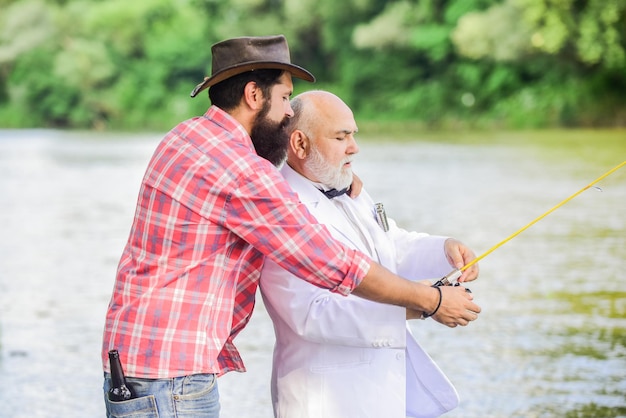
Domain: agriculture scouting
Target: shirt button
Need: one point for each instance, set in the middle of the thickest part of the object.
(400, 356)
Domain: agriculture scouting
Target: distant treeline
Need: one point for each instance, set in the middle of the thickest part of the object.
(125, 64)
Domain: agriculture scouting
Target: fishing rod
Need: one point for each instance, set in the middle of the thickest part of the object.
(452, 277)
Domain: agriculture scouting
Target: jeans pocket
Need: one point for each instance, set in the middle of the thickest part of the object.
(143, 407)
(198, 396)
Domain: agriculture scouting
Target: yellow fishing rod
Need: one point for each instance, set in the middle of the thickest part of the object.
(452, 277)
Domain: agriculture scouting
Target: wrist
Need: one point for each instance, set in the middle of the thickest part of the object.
(440, 297)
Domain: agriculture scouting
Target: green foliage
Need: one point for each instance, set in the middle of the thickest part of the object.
(505, 63)
(389, 28)
(32, 21)
(488, 34)
(594, 29)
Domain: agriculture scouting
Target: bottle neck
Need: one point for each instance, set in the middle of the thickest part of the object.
(117, 373)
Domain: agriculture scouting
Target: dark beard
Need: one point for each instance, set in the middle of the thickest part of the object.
(270, 138)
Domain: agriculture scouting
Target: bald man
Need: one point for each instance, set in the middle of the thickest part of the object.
(339, 357)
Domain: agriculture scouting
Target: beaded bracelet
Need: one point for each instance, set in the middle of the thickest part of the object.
(438, 304)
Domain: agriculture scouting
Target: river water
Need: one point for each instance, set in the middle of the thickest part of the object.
(551, 341)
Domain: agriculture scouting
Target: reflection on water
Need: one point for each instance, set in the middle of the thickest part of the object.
(551, 341)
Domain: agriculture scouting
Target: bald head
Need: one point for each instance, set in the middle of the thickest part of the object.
(322, 141)
(313, 110)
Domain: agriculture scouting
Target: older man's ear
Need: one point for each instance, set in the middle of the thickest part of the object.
(299, 144)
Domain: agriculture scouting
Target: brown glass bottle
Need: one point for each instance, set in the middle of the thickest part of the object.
(118, 391)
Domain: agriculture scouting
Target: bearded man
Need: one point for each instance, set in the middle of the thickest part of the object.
(339, 357)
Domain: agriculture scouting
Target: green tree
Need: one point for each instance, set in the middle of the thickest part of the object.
(131, 65)
(569, 56)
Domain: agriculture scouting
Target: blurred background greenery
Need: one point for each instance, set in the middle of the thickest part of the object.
(505, 64)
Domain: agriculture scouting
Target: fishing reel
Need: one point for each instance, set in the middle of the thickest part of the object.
(451, 279)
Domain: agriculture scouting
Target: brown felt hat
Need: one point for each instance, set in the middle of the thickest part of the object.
(238, 55)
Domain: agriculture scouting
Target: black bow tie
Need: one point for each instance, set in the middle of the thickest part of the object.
(334, 192)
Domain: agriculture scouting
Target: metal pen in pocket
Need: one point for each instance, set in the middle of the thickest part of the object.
(381, 216)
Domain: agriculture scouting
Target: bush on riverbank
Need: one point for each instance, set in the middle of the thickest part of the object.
(459, 63)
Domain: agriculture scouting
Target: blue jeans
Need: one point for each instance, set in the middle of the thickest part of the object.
(194, 396)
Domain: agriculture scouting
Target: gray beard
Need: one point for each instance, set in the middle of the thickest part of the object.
(330, 176)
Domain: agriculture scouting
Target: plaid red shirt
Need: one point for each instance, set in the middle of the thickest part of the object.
(209, 211)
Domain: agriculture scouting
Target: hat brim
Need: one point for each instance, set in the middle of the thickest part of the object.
(228, 72)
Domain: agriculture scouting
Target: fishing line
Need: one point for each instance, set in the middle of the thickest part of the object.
(451, 278)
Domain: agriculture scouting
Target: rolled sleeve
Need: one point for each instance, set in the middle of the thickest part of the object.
(266, 213)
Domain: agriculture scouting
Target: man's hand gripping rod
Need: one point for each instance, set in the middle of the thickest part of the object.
(451, 279)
